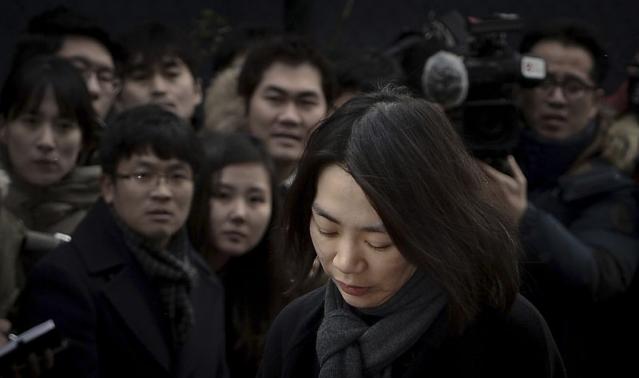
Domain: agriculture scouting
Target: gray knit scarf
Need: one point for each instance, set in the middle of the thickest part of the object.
(173, 275)
(348, 347)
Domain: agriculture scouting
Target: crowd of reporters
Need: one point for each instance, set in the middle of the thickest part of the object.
(141, 205)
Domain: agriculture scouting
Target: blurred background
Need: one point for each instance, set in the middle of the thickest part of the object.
(370, 23)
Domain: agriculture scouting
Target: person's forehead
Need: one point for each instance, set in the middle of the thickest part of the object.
(563, 58)
(253, 172)
(149, 158)
(142, 61)
(86, 48)
(302, 77)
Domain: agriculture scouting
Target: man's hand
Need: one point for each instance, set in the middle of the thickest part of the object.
(34, 365)
(5, 326)
(508, 193)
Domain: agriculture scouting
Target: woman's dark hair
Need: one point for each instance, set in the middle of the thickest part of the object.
(221, 150)
(426, 188)
(27, 82)
(148, 128)
(250, 286)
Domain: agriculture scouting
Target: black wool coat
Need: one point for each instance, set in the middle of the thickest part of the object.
(101, 300)
(517, 344)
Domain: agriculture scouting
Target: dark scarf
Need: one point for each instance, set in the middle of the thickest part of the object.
(58, 207)
(348, 347)
(173, 275)
(544, 160)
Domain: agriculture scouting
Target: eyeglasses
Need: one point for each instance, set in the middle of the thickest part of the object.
(105, 76)
(572, 87)
(149, 180)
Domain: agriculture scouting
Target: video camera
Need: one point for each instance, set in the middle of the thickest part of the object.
(467, 66)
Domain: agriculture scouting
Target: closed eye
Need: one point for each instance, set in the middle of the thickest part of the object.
(326, 233)
(380, 246)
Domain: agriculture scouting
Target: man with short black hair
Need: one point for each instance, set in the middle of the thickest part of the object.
(160, 66)
(87, 46)
(288, 87)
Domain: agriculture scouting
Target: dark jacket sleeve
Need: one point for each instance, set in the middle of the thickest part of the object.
(55, 292)
(271, 365)
(597, 253)
(290, 343)
(532, 343)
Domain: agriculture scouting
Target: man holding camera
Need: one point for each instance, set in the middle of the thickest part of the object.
(576, 213)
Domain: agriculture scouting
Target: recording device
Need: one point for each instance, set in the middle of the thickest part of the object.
(44, 336)
(468, 67)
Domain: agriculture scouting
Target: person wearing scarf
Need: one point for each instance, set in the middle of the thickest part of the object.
(174, 275)
(422, 271)
(347, 345)
(128, 292)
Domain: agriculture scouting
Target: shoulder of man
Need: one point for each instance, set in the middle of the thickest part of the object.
(595, 178)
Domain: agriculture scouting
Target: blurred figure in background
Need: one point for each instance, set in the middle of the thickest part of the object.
(622, 144)
(160, 66)
(69, 35)
(224, 109)
(47, 124)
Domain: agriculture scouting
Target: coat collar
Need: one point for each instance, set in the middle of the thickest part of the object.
(123, 283)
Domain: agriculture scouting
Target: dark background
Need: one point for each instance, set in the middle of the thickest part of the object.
(374, 23)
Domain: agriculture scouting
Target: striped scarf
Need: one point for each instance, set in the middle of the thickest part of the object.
(172, 274)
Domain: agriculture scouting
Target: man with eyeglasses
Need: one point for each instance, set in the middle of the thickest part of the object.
(87, 46)
(128, 291)
(576, 214)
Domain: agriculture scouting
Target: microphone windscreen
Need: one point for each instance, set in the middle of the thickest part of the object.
(445, 79)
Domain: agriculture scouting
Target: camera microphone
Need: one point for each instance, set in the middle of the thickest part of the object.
(445, 79)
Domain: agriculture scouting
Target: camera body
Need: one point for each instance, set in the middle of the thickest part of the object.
(467, 65)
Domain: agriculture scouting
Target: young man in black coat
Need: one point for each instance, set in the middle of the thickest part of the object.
(129, 292)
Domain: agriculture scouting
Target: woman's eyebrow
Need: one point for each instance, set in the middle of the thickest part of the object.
(322, 213)
(378, 228)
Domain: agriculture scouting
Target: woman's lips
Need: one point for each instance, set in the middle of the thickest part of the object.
(160, 215)
(46, 163)
(234, 235)
(356, 291)
(286, 136)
